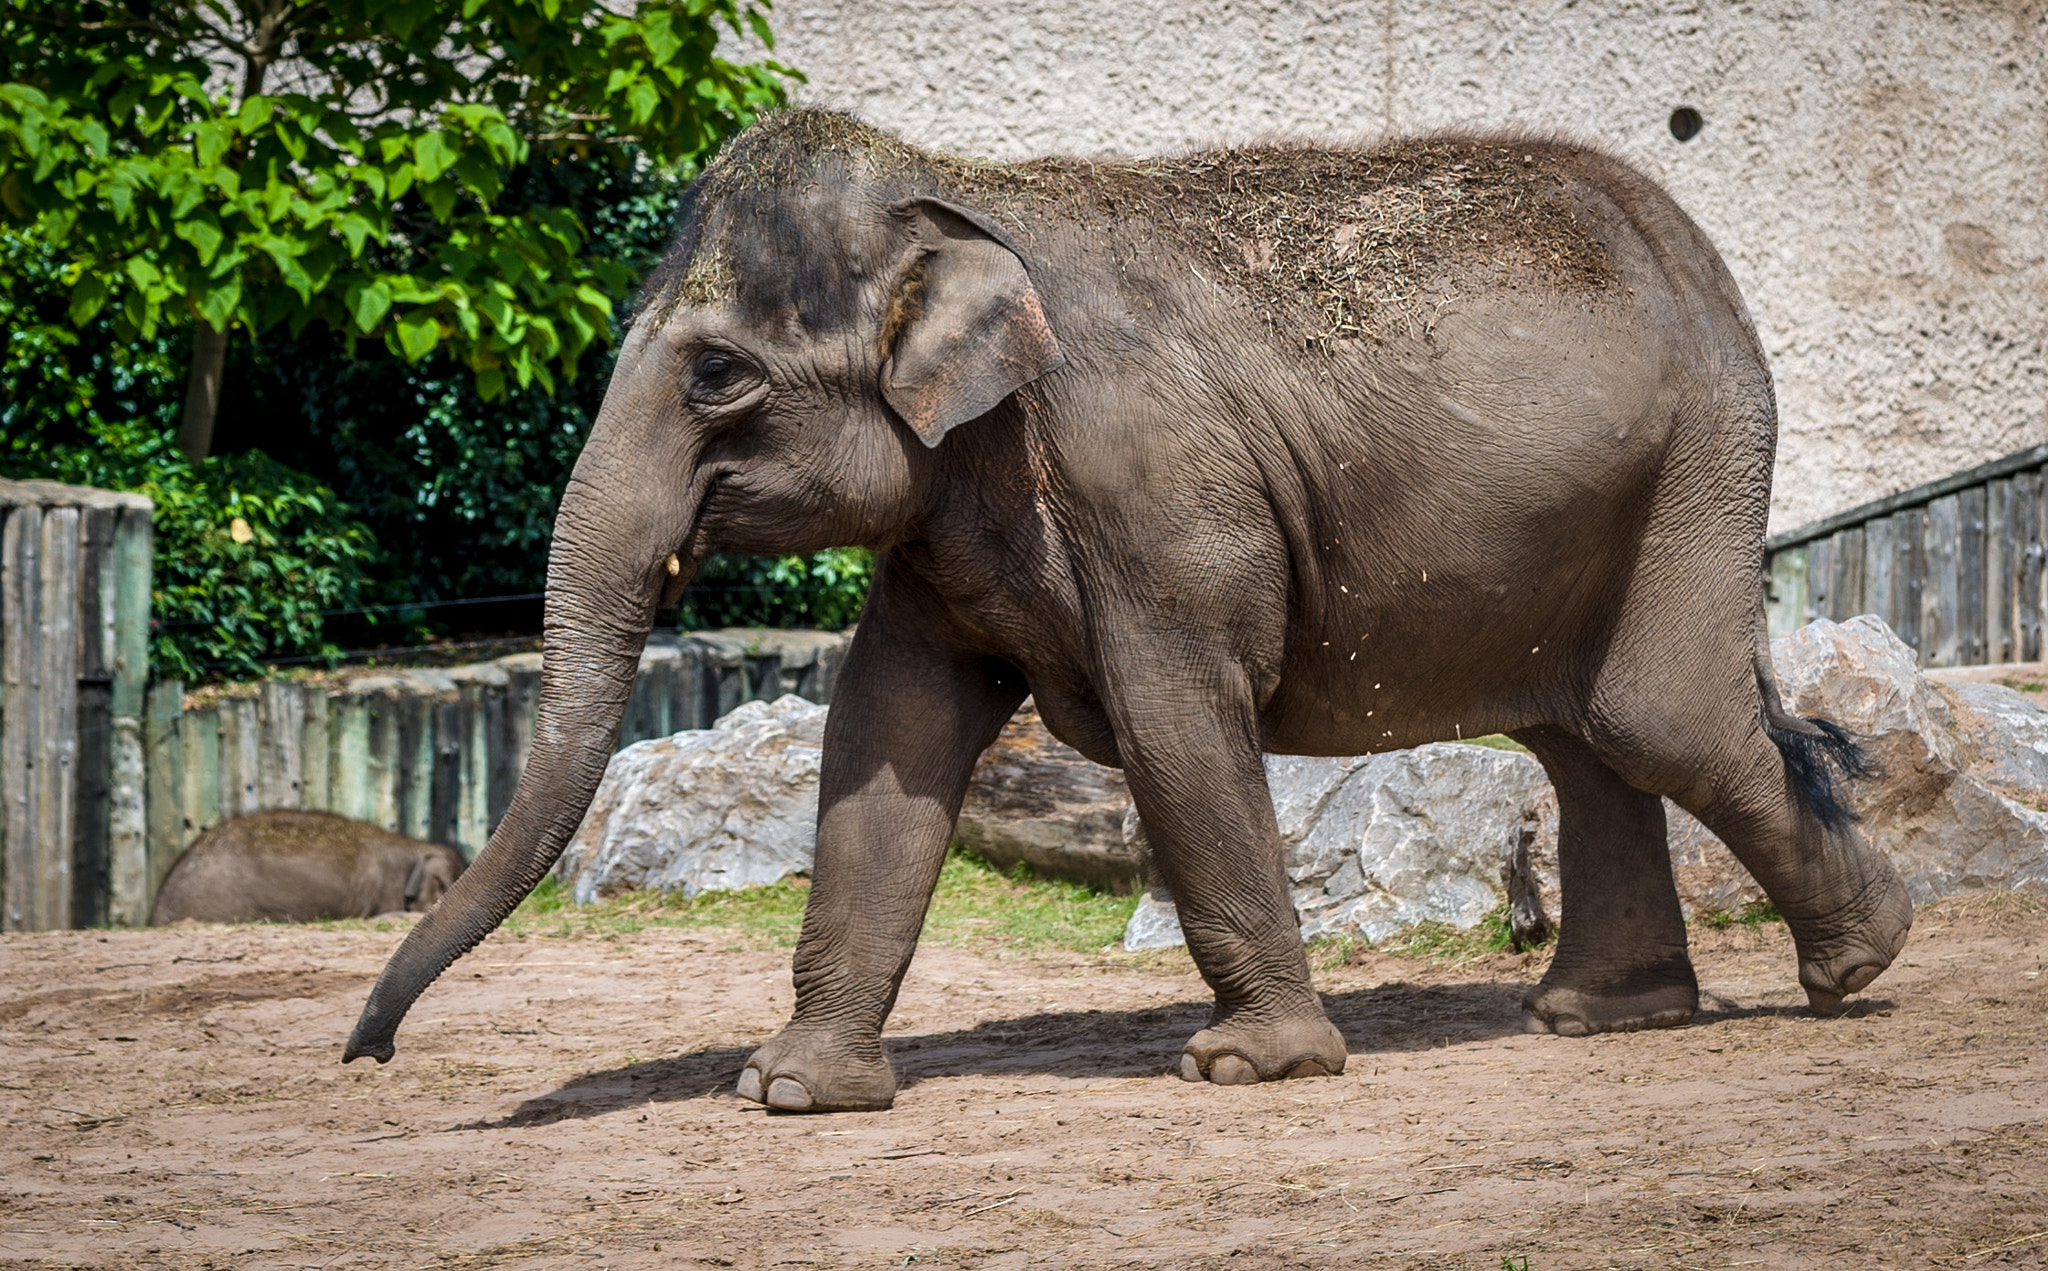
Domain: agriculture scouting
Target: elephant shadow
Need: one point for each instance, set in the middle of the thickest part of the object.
(1386, 1018)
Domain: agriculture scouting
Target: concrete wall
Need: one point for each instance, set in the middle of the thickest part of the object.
(1875, 170)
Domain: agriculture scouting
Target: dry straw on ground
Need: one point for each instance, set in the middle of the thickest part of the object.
(1326, 244)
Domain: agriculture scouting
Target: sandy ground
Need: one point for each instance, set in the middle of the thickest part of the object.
(172, 1098)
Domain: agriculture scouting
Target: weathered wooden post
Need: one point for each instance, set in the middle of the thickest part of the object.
(74, 653)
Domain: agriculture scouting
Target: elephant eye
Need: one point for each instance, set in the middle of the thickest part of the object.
(720, 379)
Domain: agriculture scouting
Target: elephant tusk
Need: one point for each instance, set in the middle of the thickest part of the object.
(675, 567)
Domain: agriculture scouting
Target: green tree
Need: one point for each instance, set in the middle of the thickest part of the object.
(248, 552)
(249, 164)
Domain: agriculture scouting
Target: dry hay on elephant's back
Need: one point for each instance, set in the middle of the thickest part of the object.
(1326, 244)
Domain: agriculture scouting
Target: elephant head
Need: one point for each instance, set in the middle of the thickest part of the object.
(784, 385)
(433, 872)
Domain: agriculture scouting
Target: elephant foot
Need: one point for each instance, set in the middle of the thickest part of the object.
(1662, 997)
(1843, 954)
(1241, 1051)
(816, 1072)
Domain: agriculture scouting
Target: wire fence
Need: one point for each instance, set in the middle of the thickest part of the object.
(442, 649)
(422, 606)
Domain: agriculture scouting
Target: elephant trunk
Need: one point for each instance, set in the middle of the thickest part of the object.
(602, 594)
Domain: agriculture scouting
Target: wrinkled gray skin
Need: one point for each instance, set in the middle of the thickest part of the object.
(1095, 472)
(301, 867)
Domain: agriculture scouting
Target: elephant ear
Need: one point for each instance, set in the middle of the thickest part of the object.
(964, 328)
(415, 881)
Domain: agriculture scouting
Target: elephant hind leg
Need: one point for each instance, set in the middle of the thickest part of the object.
(1763, 785)
(1844, 901)
(1621, 961)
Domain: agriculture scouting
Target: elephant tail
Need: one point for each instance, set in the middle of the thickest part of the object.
(1818, 753)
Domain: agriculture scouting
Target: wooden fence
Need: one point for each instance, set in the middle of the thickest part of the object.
(105, 783)
(434, 754)
(106, 779)
(1954, 566)
(74, 652)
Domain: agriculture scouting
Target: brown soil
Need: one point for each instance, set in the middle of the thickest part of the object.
(172, 1098)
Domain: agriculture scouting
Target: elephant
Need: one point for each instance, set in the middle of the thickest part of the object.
(292, 866)
(1307, 449)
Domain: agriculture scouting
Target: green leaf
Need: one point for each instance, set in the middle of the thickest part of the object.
(88, 297)
(657, 29)
(204, 235)
(357, 230)
(121, 194)
(210, 141)
(641, 99)
(255, 112)
(439, 198)
(418, 333)
(217, 304)
(143, 274)
(368, 305)
(433, 155)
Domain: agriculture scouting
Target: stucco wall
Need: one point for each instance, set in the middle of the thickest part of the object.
(1874, 170)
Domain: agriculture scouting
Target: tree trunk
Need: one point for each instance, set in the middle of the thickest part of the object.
(202, 391)
(210, 346)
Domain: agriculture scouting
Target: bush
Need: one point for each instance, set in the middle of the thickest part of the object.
(824, 590)
(248, 551)
(249, 554)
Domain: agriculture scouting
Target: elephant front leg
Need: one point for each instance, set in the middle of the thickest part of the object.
(908, 722)
(1190, 745)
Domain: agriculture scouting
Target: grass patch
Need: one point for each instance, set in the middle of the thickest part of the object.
(975, 906)
(1496, 741)
(766, 917)
(1440, 943)
(1753, 914)
(978, 906)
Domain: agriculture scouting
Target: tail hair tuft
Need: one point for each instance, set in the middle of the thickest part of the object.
(1814, 760)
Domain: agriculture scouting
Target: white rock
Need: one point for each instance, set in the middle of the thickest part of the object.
(1377, 843)
(1154, 924)
(1959, 801)
(737, 804)
(1960, 769)
(727, 806)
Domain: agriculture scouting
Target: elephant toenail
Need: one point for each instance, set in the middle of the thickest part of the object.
(1859, 979)
(788, 1094)
(1232, 1070)
(1308, 1068)
(1534, 1023)
(1190, 1069)
(1569, 1026)
(749, 1086)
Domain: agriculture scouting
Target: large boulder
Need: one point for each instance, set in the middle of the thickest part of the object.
(737, 804)
(1037, 801)
(711, 808)
(1960, 770)
(1375, 843)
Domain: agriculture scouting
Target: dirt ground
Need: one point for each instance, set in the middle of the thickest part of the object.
(173, 1098)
